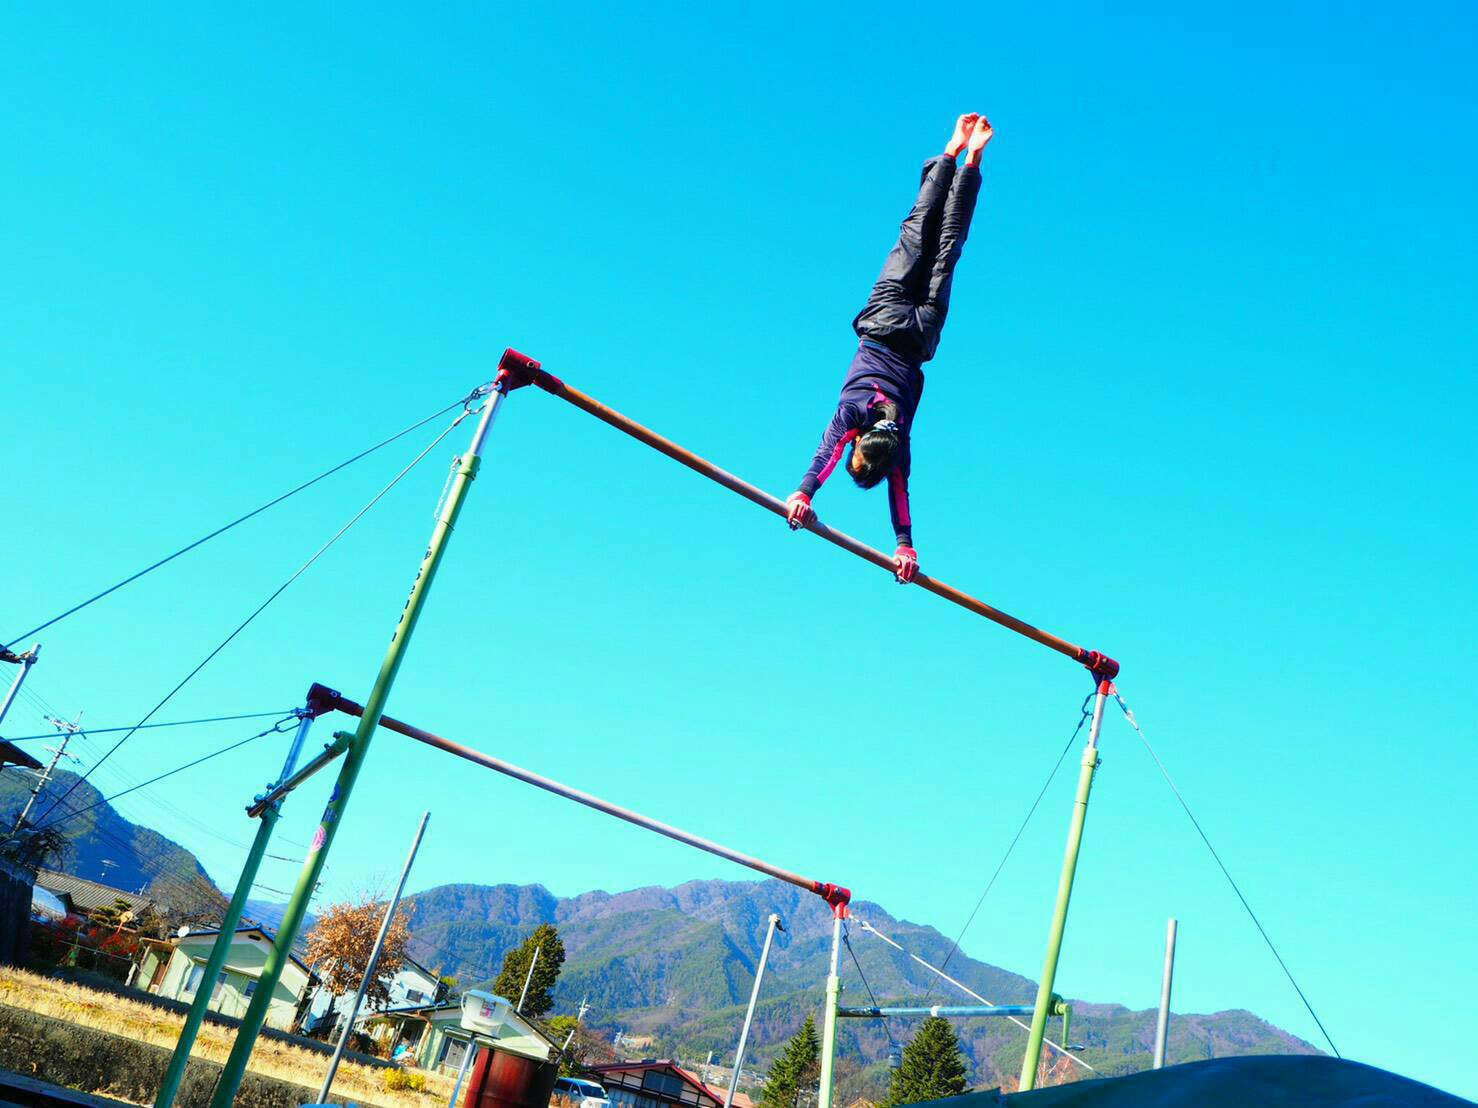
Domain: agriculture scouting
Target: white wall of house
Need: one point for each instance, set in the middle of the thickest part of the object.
(410, 987)
(233, 990)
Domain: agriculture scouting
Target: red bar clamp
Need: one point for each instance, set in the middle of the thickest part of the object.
(516, 370)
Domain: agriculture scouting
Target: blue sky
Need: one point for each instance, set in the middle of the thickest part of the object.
(1205, 401)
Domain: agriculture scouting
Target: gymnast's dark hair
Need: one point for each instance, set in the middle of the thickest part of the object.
(878, 447)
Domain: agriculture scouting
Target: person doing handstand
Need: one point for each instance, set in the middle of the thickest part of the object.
(899, 331)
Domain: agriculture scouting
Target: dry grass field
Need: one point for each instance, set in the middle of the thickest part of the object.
(144, 1022)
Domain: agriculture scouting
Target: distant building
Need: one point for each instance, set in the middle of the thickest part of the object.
(434, 1035)
(177, 971)
(660, 1083)
(413, 986)
(82, 896)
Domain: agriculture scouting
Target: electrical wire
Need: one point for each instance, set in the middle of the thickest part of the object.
(276, 729)
(263, 606)
(1134, 723)
(242, 519)
(887, 1028)
(81, 731)
(970, 992)
(1082, 719)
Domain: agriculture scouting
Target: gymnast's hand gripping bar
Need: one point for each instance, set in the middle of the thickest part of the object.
(516, 370)
(834, 895)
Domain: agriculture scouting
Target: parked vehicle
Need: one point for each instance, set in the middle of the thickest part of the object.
(582, 1092)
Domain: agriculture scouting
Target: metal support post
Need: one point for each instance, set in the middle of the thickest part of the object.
(333, 813)
(754, 995)
(1162, 1026)
(374, 961)
(528, 977)
(25, 661)
(833, 996)
(175, 1072)
(1045, 1000)
(462, 1071)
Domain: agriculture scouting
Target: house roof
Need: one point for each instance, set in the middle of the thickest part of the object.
(265, 933)
(429, 1010)
(659, 1064)
(12, 755)
(89, 895)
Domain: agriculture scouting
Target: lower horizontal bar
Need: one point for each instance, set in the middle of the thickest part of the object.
(833, 894)
(957, 1011)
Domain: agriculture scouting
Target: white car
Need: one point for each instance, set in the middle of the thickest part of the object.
(584, 1093)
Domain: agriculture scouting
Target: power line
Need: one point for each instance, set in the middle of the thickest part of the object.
(148, 726)
(264, 604)
(1082, 719)
(1134, 723)
(240, 519)
(278, 728)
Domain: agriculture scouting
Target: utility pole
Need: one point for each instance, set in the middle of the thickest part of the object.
(57, 753)
(25, 661)
(529, 977)
(1162, 1026)
(374, 960)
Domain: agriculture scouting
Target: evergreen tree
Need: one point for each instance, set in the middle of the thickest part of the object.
(509, 984)
(795, 1072)
(932, 1066)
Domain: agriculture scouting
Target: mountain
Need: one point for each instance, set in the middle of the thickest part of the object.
(104, 846)
(677, 965)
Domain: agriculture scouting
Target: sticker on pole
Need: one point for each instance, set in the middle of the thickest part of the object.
(319, 838)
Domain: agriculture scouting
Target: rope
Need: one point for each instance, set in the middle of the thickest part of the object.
(971, 992)
(81, 731)
(263, 606)
(1134, 723)
(887, 1030)
(242, 519)
(1082, 719)
(276, 728)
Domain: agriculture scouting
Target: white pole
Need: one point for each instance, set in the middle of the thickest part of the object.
(374, 961)
(829, 1026)
(754, 995)
(527, 978)
(1162, 1028)
(462, 1073)
(27, 660)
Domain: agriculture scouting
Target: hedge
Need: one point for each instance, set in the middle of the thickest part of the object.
(100, 1062)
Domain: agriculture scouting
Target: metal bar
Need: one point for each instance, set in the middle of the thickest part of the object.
(1044, 1006)
(332, 818)
(972, 993)
(939, 1010)
(26, 660)
(754, 995)
(462, 1071)
(524, 370)
(829, 1023)
(288, 784)
(374, 961)
(831, 893)
(1162, 1025)
(174, 1073)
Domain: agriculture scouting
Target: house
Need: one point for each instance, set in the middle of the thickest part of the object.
(412, 987)
(660, 1083)
(177, 970)
(436, 1038)
(81, 896)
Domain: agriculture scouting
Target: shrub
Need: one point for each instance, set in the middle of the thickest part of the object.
(400, 1079)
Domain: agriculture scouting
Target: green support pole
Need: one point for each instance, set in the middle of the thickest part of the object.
(175, 1072)
(1045, 999)
(829, 1021)
(333, 813)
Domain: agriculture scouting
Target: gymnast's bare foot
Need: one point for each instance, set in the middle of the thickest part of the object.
(980, 134)
(963, 127)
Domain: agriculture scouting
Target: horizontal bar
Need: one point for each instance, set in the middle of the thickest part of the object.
(957, 1011)
(330, 752)
(832, 894)
(519, 369)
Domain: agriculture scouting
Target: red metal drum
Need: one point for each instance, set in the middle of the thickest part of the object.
(502, 1080)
